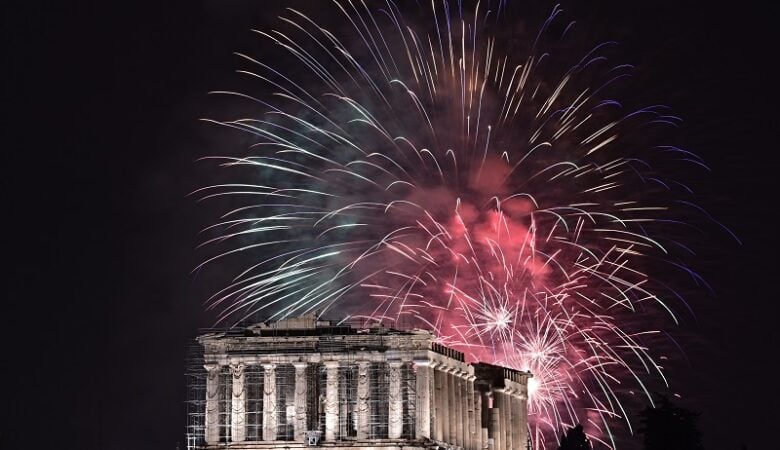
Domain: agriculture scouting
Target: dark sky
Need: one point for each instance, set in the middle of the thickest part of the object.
(100, 104)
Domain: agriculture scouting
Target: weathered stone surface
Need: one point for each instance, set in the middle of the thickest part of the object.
(238, 407)
(212, 409)
(395, 416)
(363, 395)
(301, 389)
(269, 402)
(331, 400)
(469, 406)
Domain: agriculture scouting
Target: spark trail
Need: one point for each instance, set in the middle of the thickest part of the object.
(443, 170)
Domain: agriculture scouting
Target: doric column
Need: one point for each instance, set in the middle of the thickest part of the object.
(301, 389)
(395, 427)
(212, 408)
(331, 399)
(423, 390)
(480, 438)
(238, 404)
(473, 441)
(269, 402)
(468, 398)
(506, 419)
(523, 407)
(452, 410)
(509, 419)
(496, 410)
(506, 400)
(517, 424)
(458, 435)
(444, 406)
(438, 398)
(363, 395)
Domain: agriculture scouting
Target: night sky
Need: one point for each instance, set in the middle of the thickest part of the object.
(100, 107)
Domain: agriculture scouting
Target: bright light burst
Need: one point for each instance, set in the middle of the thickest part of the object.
(453, 172)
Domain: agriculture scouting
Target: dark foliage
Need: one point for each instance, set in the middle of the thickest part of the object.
(670, 427)
(575, 439)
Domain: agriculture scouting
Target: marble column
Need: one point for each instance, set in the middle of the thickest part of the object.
(212, 407)
(517, 424)
(331, 400)
(238, 404)
(363, 396)
(509, 419)
(438, 396)
(468, 404)
(423, 389)
(464, 397)
(395, 426)
(458, 435)
(269, 402)
(301, 389)
(444, 407)
(498, 435)
(452, 410)
(523, 405)
(480, 438)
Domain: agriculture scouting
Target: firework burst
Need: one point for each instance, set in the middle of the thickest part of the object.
(442, 171)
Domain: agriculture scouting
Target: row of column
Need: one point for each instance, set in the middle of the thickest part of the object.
(238, 402)
(395, 401)
(449, 392)
(449, 410)
(269, 430)
(509, 416)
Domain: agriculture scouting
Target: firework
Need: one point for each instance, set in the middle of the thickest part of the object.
(445, 170)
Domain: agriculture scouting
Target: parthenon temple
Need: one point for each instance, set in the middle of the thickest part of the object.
(309, 382)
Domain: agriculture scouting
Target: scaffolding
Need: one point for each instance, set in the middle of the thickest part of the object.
(378, 401)
(343, 343)
(409, 395)
(306, 378)
(254, 384)
(347, 423)
(285, 402)
(195, 403)
(225, 404)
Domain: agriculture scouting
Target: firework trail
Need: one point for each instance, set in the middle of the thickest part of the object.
(446, 172)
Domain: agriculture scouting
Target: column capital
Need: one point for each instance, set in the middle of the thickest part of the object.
(331, 364)
(300, 365)
(424, 363)
(395, 363)
(212, 367)
(268, 366)
(441, 366)
(237, 368)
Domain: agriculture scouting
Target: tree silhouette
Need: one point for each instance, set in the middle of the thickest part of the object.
(575, 439)
(670, 427)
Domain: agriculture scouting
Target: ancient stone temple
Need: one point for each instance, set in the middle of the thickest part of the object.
(307, 382)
